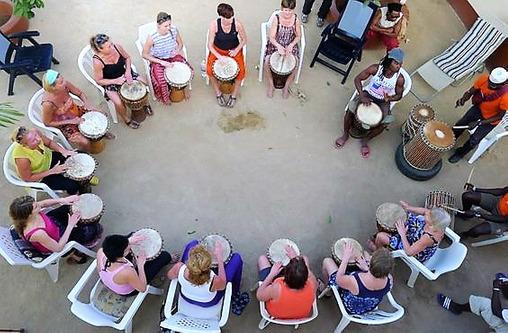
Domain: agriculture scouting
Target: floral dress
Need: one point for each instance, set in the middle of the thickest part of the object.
(415, 230)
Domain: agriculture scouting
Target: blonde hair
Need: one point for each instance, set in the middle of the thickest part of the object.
(440, 218)
(198, 264)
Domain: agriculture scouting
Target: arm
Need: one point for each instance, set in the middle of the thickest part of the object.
(211, 36)
(364, 75)
(242, 37)
(267, 290)
(78, 92)
(173, 272)
(60, 201)
(25, 171)
(497, 117)
(412, 209)
(298, 36)
(467, 95)
(219, 281)
(493, 191)
(272, 35)
(98, 75)
(128, 62)
(417, 246)
(179, 41)
(399, 90)
(55, 146)
(136, 279)
(43, 238)
(346, 281)
(375, 22)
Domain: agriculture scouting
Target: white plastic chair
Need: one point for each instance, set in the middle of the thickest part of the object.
(374, 317)
(143, 32)
(265, 28)
(90, 314)
(501, 130)
(14, 257)
(266, 318)
(179, 322)
(12, 177)
(207, 51)
(407, 87)
(443, 261)
(35, 116)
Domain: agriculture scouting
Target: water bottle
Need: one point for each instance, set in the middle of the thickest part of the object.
(203, 70)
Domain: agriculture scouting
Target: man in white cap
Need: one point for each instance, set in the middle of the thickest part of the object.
(386, 85)
(490, 102)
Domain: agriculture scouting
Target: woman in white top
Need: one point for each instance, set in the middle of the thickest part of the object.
(386, 85)
(162, 48)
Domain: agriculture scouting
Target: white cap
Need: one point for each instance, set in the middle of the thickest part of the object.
(498, 75)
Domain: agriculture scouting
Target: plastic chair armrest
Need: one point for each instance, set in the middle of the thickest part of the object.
(452, 235)
(226, 305)
(170, 298)
(76, 290)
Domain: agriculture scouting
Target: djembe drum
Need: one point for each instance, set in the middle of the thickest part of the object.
(281, 67)
(209, 242)
(366, 118)
(426, 148)
(277, 251)
(338, 248)
(178, 77)
(226, 71)
(80, 167)
(135, 97)
(90, 207)
(387, 214)
(443, 200)
(94, 126)
(418, 116)
(151, 245)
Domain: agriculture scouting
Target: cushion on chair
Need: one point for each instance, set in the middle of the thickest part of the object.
(337, 50)
(110, 303)
(25, 247)
(40, 56)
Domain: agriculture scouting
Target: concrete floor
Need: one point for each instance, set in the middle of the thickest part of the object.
(285, 180)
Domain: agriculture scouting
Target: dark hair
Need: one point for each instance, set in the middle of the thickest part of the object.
(19, 210)
(394, 7)
(296, 273)
(225, 10)
(97, 41)
(386, 62)
(381, 263)
(114, 247)
(291, 4)
(163, 17)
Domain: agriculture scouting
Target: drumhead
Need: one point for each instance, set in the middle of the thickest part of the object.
(209, 242)
(277, 250)
(225, 70)
(151, 245)
(80, 166)
(179, 74)
(423, 112)
(134, 91)
(282, 65)
(338, 249)
(438, 134)
(94, 124)
(369, 114)
(388, 213)
(89, 206)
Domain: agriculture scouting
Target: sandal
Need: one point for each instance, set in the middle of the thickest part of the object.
(148, 110)
(220, 100)
(231, 102)
(133, 124)
(110, 136)
(365, 151)
(82, 258)
(94, 181)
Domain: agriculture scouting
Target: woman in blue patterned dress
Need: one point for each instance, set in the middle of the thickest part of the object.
(363, 290)
(419, 235)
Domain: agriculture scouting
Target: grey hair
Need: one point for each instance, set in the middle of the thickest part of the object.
(440, 218)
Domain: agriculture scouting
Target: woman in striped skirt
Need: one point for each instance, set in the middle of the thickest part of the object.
(161, 48)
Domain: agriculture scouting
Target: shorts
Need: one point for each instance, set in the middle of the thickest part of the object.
(481, 306)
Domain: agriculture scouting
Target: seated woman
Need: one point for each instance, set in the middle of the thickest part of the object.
(285, 33)
(202, 288)
(40, 159)
(419, 235)
(161, 48)
(290, 291)
(117, 271)
(59, 109)
(226, 38)
(362, 290)
(49, 232)
(112, 67)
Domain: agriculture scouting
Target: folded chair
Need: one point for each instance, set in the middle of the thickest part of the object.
(443, 261)
(143, 32)
(16, 59)
(501, 130)
(461, 60)
(265, 29)
(342, 42)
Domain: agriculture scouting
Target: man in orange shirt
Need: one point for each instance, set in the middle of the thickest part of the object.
(490, 102)
(494, 210)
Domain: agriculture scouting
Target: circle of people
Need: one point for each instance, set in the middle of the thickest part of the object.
(288, 290)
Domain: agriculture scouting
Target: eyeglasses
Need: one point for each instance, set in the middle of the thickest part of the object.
(21, 134)
(164, 19)
(101, 39)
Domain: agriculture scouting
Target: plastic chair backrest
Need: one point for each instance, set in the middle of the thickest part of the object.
(145, 30)
(355, 20)
(85, 65)
(10, 172)
(9, 251)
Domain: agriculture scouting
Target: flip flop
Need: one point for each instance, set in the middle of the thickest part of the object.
(365, 151)
(148, 110)
(322, 286)
(446, 303)
(95, 181)
(133, 124)
(231, 102)
(220, 100)
(340, 142)
(110, 136)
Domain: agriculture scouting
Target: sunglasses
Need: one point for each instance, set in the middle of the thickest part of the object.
(20, 134)
(164, 19)
(101, 39)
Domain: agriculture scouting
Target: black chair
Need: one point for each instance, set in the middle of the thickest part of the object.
(342, 42)
(16, 59)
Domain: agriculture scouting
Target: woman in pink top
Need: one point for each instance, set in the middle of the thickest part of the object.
(49, 231)
(119, 273)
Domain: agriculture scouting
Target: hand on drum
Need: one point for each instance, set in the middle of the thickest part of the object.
(68, 153)
(120, 80)
(73, 219)
(281, 50)
(365, 99)
(70, 199)
(222, 59)
(128, 77)
(141, 259)
(232, 53)
(290, 251)
(347, 251)
(167, 64)
(58, 168)
(362, 263)
(400, 224)
(276, 269)
(218, 252)
(289, 49)
(135, 239)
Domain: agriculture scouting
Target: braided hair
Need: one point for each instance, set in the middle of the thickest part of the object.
(114, 247)
(19, 210)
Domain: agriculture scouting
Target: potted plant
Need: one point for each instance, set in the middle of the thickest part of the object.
(10, 23)
(25, 7)
(8, 115)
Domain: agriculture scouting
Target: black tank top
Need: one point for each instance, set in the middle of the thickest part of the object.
(113, 71)
(226, 41)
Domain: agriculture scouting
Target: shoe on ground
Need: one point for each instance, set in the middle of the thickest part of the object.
(320, 22)
(455, 158)
(305, 18)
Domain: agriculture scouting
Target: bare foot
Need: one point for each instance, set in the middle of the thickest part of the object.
(340, 142)
(186, 92)
(285, 93)
(269, 91)
(365, 151)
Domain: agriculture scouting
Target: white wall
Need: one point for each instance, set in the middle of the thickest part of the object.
(495, 11)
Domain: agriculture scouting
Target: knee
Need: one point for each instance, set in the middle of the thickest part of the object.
(263, 261)
(329, 265)
(382, 238)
